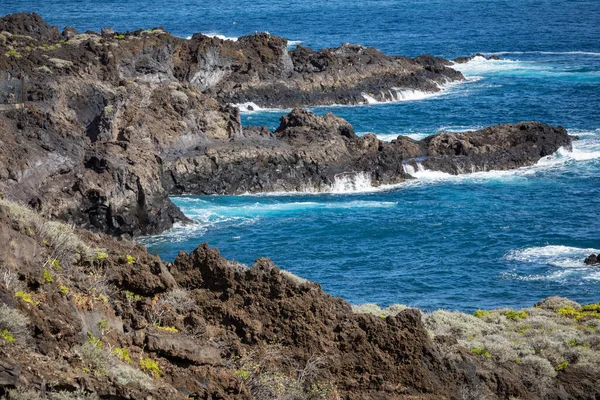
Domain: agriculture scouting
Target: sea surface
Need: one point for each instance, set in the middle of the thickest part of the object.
(475, 241)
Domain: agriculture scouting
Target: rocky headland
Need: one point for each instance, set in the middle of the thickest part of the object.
(115, 122)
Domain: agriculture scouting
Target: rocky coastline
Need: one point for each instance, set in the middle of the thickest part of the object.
(114, 123)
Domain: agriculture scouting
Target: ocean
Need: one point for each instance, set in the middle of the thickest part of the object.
(466, 242)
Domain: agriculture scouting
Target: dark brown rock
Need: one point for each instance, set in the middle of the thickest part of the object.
(592, 259)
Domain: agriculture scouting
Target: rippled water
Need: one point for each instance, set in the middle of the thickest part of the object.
(474, 241)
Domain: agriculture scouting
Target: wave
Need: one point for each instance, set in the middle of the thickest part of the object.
(396, 95)
(388, 137)
(558, 256)
(351, 183)
(585, 53)
(250, 107)
(480, 66)
(208, 215)
(568, 259)
(219, 36)
(293, 43)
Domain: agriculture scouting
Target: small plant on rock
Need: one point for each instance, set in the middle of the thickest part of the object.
(150, 365)
(48, 276)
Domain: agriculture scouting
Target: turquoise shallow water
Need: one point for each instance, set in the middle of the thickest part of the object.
(475, 241)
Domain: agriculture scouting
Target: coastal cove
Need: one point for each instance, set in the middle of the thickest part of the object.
(268, 200)
(482, 240)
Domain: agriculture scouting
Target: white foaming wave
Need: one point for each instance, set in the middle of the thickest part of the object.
(251, 107)
(397, 95)
(424, 174)
(388, 137)
(219, 36)
(292, 43)
(202, 222)
(351, 183)
(480, 65)
(555, 255)
(247, 107)
(586, 53)
(259, 209)
(206, 216)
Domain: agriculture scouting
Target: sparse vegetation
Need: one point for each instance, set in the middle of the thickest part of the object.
(13, 325)
(151, 366)
(48, 276)
(13, 53)
(26, 297)
(132, 297)
(372, 308)
(545, 337)
(127, 375)
(122, 354)
(258, 372)
(64, 244)
(93, 356)
(31, 394)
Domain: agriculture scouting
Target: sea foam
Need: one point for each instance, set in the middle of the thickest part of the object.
(555, 255)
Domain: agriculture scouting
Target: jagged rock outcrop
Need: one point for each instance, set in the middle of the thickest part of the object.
(592, 259)
(463, 60)
(309, 152)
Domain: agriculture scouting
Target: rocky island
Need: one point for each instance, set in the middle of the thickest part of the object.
(113, 123)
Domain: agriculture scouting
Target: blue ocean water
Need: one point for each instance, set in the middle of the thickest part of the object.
(475, 241)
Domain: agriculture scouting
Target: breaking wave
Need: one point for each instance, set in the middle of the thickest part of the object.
(557, 256)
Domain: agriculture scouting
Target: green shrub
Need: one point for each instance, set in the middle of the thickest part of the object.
(48, 276)
(515, 315)
(166, 328)
(26, 297)
(122, 354)
(481, 352)
(13, 53)
(591, 307)
(6, 335)
(131, 297)
(56, 264)
(562, 365)
(242, 374)
(482, 313)
(94, 341)
(568, 311)
(149, 365)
